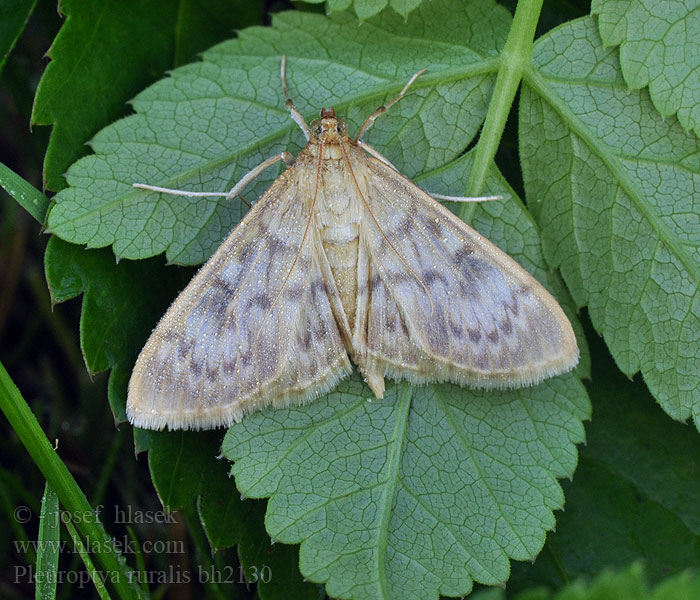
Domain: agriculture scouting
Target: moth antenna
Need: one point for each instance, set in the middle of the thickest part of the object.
(369, 121)
(296, 115)
(465, 198)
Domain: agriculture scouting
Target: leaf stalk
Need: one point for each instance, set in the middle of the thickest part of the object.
(514, 59)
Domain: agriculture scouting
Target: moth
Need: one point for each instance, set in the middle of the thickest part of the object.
(342, 256)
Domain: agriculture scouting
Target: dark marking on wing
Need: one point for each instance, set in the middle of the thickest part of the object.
(431, 275)
(223, 286)
(228, 367)
(196, 367)
(457, 329)
(306, 340)
(318, 288)
(276, 244)
(184, 348)
(294, 292)
(506, 326)
(260, 301)
(433, 227)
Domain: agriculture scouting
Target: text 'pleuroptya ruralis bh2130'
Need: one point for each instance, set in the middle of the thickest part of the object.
(342, 255)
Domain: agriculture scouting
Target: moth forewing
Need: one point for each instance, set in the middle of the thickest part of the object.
(343, 255)
(253, 328)
(447, 304)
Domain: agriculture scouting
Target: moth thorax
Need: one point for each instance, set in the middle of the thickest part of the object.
(328, 128)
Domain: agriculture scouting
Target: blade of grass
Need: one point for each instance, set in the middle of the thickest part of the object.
(140, 561)
(69, 493)
(9, 505)
(48, 547)
(94, 574)
(96, 500)
(31, 199)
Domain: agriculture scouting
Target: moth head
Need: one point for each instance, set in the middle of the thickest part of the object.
(328, 128)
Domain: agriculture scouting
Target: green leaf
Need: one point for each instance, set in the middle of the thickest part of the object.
(338, 5)
(116, 391)
(659, 48)
(441, 480)
(274, 567)
(365, 9)
(185, 470)
(228, 520)
(121, 303)
(615, 189)
(404, 7)
(634, 496)
(96, 65)
(222, 511)
(179, 461)
(628, 584)
(14, 15)
(211, 122)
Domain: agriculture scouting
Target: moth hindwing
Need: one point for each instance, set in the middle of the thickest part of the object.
(342, 255)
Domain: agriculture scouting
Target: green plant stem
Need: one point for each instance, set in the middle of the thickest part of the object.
(60, 479)
(514, 59)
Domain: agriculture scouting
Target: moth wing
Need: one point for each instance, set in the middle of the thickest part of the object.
(445, 304)
(253, 328)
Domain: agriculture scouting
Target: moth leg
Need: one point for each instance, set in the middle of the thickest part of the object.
(252, 174)
(296, 115)
(235, 190)
(369, 121)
